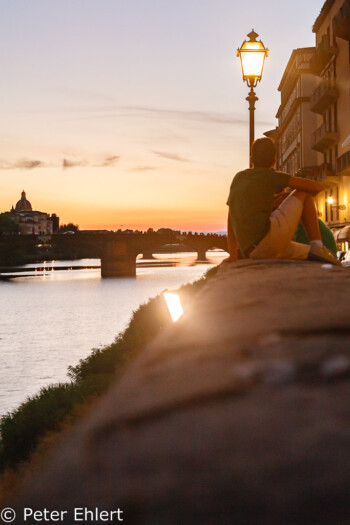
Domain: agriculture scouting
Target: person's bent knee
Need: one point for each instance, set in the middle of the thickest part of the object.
(301, 195)
(308, 196)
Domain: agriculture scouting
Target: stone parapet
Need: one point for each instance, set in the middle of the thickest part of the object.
(238, 413)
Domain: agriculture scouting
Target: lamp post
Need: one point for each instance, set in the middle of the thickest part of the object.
(252, 54)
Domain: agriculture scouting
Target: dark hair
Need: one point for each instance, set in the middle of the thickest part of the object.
(264, 153)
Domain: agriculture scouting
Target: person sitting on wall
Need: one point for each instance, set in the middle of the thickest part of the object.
(300, 235)
(260, 232)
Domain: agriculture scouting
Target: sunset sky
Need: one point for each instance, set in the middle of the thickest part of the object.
(133, 112)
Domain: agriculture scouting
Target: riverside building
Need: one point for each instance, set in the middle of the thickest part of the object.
(295, 120)
(32, 222)
(313, 133)
(331, 103)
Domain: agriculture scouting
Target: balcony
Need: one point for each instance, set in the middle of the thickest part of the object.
(325, 171)
(341, 22)
(323, 54)
(323, 96)
(343, 164)
(323, 138)
(317, 173)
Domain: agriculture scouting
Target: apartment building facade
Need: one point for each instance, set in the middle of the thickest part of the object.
(313, 133)
(331, 103)
(295, 120)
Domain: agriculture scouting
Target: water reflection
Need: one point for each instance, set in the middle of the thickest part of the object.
(53, 319)
(47, 268)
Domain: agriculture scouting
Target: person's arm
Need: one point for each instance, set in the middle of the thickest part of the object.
(231, 242)
(279, 198)
(310, 186)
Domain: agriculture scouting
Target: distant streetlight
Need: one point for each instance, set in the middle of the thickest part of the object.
(252, 54)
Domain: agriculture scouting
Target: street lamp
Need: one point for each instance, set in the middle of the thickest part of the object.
(252, 54)
(341, 207)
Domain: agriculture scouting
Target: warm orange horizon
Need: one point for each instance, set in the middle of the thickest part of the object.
(100, 218)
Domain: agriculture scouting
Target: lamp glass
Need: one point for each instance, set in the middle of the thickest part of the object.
(252, 56)
(174, 305)
(330, 200)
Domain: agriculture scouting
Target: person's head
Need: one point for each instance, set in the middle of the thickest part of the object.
(264, 153)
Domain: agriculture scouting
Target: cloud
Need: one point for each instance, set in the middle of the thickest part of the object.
(29, 164)
(21, 164)
(143, 168)
(210, 117)
(201, 116)
(205, 117)
(171, 156)
(73, 163)
(108, 161)
(113, 111)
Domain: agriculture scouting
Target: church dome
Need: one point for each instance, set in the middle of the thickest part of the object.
(23, 204)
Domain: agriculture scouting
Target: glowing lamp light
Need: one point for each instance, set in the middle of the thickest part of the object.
(174, 305)
(330, 200)
(252, 54)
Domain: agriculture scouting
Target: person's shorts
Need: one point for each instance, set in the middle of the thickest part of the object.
(278, 242)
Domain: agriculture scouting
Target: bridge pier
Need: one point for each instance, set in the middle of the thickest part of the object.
(202, 255)
(117, 261)
(147, 254)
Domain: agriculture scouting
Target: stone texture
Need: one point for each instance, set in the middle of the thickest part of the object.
(239, 413)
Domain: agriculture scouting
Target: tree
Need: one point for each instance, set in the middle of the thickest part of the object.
(7, 225)
(70, 227)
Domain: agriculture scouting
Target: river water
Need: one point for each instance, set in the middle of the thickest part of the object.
(51, 320)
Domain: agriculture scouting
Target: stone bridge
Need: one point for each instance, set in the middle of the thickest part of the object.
(118, 251)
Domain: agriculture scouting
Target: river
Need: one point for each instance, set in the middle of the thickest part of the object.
(50, 320)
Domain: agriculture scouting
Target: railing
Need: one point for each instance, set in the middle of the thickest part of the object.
(317, 173)
(326, 170)
(323, 54)
(323, 138)
(323, 96)
(343, 162)
(318, 134)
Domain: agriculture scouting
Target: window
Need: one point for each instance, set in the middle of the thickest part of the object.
(335, 116)
(337, 202)
(334, 37)
(330, 205)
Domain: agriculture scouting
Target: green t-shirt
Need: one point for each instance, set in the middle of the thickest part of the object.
(326, 236)
(251, 203)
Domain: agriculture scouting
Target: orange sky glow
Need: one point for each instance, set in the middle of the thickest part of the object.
(116, 117)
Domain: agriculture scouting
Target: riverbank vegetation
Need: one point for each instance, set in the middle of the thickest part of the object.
(24, 429)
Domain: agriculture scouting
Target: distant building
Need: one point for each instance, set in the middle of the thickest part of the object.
(295, 119)
(32, 222)
(331, 103)
(313, 135)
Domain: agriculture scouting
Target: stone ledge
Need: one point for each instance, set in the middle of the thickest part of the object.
(238, 413)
